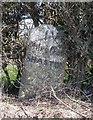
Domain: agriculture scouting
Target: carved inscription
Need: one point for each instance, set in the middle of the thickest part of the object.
(55, 50)
(34, 59)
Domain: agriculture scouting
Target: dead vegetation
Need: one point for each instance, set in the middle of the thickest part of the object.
(56, 108)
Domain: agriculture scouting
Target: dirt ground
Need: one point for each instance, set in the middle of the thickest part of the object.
(14, 108)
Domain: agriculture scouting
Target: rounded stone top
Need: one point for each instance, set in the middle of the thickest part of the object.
(43, 31)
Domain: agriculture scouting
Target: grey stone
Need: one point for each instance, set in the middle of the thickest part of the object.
(44, 62)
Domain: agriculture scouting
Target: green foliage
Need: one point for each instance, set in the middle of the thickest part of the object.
(12, 72)
(66, 77)
(3, 77)
(88, 69)
(85, 83)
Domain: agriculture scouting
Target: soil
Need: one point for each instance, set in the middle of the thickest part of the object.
(15, 108)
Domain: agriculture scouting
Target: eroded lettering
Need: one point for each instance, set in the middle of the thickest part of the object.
(34, 59)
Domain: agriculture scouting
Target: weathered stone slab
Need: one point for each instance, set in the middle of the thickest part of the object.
(44, 62)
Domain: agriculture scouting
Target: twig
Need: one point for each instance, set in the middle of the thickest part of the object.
(24, 111)
(77, 102)
(66, 104)
(84, 94)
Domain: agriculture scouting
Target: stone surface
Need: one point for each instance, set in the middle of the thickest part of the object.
(44, 62)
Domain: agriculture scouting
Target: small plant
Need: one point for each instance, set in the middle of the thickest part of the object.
(12, 71)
